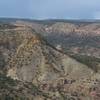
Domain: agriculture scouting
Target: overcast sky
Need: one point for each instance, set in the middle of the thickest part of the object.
(47, 9)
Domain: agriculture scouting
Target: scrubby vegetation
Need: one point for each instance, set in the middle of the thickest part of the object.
(49, 60)
(91, 62)
(7, 26)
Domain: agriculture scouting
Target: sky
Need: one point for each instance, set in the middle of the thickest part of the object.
(50, 9)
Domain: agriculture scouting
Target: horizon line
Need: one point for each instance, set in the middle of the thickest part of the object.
(42, 19)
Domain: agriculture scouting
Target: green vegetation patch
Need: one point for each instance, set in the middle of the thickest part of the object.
(91, 62)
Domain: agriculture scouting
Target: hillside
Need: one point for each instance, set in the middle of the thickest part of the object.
(32, 60)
